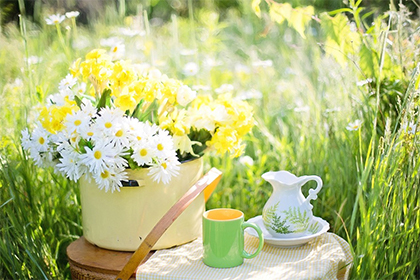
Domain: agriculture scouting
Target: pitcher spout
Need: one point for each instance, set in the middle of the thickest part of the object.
(281, 177)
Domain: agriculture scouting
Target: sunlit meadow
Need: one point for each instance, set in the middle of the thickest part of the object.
(334, 96)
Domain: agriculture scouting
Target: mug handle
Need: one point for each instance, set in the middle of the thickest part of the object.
(312, 192)
(247, 255)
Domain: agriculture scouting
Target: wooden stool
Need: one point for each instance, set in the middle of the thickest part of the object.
(88, 261)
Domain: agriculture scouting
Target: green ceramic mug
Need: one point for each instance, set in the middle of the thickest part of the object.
(223, 238)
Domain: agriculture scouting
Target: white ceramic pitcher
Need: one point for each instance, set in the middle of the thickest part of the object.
(287, 213)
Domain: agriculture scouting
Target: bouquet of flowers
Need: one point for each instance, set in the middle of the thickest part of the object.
(108, 116)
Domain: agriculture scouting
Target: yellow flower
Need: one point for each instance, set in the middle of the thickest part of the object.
(75, 68)
(170, 89)
(224, 140)
(97, 54)
(147, 89)
(126, 100)
(122, 75)
(175, 122)
(52, 118)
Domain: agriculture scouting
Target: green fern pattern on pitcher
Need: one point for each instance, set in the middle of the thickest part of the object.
(314, 228)
(272, 220)
(300, 221)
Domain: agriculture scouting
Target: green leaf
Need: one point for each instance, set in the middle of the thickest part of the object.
(368, 61)
(137, 111)
(78, 101)
(84, 143)
(105, 100)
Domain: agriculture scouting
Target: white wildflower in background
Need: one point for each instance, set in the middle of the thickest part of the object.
(301, 109)
(187, 52)
(262, 63)
(111, 41)
(364, 82)
(130, 32)
(246, 160)
(190, 69)
(117, 51)
(72, 14)
(34, 60)
(250, 94)
(410, 127)
(201, 87)
(354, 125)
(55, 19)
(242, 69)
(225, 88)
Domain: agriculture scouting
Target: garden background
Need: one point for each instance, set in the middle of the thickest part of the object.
(335, 91)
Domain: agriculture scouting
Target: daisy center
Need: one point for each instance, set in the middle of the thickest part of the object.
(41, 140)
(97, 154)
(115, 49)
(164, 165)
(160, 147)
(77, 122)
(119, 133)
(108, 125)
(143, 152)
(138, 138)
(105, 174)
(90, 133)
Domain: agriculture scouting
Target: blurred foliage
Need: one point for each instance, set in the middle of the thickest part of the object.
(94, 9)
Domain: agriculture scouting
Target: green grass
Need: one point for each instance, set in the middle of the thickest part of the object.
(370, 195)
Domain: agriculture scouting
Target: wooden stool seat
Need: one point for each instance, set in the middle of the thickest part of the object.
(88, 261)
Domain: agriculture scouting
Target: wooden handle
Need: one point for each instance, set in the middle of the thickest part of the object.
(210, 179)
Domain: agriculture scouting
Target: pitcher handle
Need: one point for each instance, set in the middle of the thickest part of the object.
(313, 192)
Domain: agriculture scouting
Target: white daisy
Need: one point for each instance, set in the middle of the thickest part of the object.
(109, 120)
(80, 89)
(26, 139)
(140, 131)
(110, 179)
(163, 144)
(40, 139)
(121, 137)
(190, 69)
(33, 60)
(72, 14)
(88, 108)
(68, 82)
(111, 41)
(69, 165)
(354, 125)
(143, 153)
(88, 132)
(164, 170)
(410, 127)
(117, 51)
(76, 121)
(55, 19)
(99, 157)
